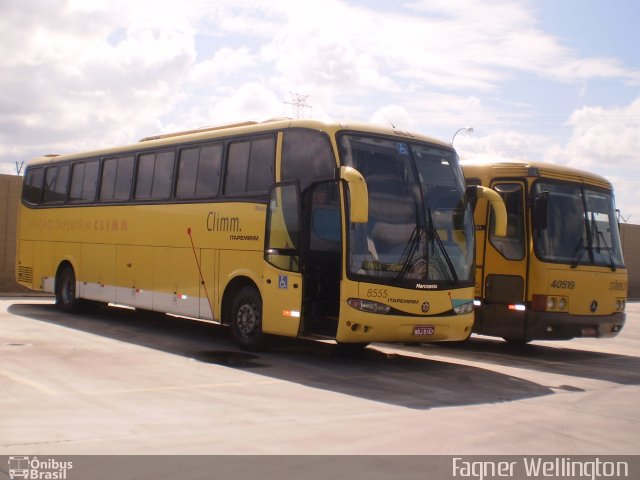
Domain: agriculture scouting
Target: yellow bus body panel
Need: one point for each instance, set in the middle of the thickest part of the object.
(414, 308)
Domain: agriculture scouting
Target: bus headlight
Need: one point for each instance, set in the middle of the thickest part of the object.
(621, 304)
(548, 303)
(368, 306)
(463, 308)
(551, 303)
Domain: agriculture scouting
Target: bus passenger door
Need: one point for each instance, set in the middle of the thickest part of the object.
(505, 268)
(322, 259)
(282, 278)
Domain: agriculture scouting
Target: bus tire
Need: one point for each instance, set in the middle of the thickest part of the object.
(246, 319)
(66, 298)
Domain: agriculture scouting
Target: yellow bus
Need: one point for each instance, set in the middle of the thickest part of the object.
(287, 227)
(559, 272)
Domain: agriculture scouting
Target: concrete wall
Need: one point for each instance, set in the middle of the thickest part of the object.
(10, 188)
(630, 236)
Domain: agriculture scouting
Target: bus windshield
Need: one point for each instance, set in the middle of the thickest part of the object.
(581, 226)
(420, 227)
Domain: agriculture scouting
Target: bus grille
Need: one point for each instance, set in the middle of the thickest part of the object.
(25, 274)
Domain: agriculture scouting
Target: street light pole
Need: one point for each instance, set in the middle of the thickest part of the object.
(466, 129)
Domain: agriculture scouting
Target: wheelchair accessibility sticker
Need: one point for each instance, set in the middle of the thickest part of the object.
(283, 281)
(402, 148)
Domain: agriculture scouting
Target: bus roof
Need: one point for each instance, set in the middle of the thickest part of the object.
(484, 168)
(244, 128)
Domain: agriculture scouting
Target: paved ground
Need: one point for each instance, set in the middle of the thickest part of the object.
(116, 382)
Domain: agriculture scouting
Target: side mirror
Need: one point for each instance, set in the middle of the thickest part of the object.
(499, 209)
(541, 211)
(358, 193)
(472, 191)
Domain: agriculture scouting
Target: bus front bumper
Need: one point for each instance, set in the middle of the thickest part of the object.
(378, 328)
(563, 326)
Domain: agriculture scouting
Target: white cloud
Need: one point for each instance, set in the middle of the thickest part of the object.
(502, 145)
(607, 142)
(81, 74)
(507, 35)
(67, 84)
(602, 137)
(394, 115)
(250, 101)
(225, 62)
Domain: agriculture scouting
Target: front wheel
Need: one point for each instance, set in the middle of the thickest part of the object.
(246, 319)
(66, 298)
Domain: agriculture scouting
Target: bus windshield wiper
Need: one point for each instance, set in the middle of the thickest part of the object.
(579, 253)
(606, 247)
(410, 248)
(600, 235)
(445, 254)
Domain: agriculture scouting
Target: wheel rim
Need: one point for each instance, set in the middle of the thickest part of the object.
(248, 320)
(67, 290)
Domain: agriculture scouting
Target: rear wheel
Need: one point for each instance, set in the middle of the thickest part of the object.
(66, 298)
(246, 319)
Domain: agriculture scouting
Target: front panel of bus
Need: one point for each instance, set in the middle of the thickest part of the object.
(578, 281)
(408, 270)
(559, 272)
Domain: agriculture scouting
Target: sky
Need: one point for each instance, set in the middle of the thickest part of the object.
(546, 80)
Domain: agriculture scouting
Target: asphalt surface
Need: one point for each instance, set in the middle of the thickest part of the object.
(121, 382)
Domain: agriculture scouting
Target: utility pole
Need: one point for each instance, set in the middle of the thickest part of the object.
(299, 103)
(620, 217)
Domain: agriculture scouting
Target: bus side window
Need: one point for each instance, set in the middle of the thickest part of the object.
(55, 183)
(155, 175)
(84, 179)
(250, 166)
(32, 191)
(306, 156)
(261, 173)
(117, 176)
(199, 171)
(209, 166)
(512, 247)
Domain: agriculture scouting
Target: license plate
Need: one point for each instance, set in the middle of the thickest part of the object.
(589, 332)
(424, 330)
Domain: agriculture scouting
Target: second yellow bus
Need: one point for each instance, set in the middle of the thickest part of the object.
(559, 272)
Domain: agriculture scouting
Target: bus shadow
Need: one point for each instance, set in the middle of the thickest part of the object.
(393, 378)
(610, 367)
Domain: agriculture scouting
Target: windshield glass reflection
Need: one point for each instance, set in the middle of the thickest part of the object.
(420, 226)
(581, 228)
